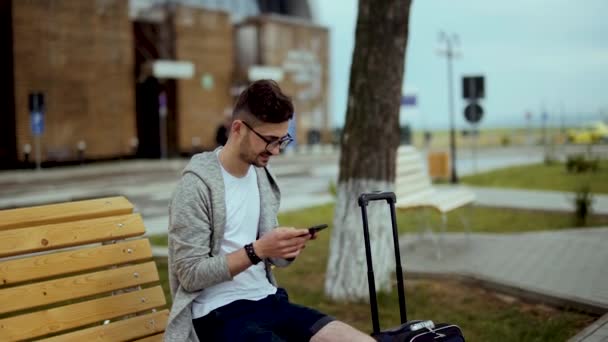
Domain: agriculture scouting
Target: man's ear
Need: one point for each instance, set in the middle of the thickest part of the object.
(236, 127)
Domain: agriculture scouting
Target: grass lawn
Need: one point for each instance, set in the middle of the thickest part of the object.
(542, 177)
(482, 315)
(481, 219)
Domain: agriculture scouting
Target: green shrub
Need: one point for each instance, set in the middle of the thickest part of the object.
(583, 203)
(581, 163)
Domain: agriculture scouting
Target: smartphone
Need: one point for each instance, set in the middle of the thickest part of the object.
(317, 228)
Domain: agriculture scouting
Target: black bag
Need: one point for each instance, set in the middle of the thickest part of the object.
(418, 331)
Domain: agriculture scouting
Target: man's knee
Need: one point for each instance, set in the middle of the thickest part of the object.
(339, 331)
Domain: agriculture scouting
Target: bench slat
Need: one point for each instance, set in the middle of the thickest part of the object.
(411, 172)
(414, 188)
(154, 338)
(63, 212)
(414, 181)
(407, 160)
(54, 264)
(59, 319)
(53, 236)
(74, 287)
(124, 330)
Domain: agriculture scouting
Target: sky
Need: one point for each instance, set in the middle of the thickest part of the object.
(536, 56)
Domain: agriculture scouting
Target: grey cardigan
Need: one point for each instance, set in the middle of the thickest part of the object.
(197, 215)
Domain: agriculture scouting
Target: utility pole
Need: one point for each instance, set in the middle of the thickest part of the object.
(450, 43)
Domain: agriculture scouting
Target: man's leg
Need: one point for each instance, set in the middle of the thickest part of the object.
(242, 320)
(339, 331)
(299, 323)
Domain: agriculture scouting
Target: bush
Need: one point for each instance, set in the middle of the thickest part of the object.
(583, 203)
(580, 163)
(505, 140)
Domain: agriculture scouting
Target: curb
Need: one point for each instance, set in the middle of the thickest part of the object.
(592, 333)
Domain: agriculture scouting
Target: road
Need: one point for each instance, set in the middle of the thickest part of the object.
(304, 180)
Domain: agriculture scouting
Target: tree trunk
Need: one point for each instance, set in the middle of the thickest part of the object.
(368, 149)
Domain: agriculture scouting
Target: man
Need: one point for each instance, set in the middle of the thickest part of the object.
(221, 135)
(223, 238)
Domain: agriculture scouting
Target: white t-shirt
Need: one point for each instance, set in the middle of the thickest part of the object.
(242, 217)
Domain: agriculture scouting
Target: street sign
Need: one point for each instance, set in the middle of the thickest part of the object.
(162, 104)
(292, 130)
(36, 106)
(473, 113)
(473, 87)
(408, 100)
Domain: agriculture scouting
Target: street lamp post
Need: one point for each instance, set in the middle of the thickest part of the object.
(449, 53)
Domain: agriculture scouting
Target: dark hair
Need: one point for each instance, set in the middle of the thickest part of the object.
(265, 101)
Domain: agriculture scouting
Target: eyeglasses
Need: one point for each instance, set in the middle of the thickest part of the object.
(271, 144)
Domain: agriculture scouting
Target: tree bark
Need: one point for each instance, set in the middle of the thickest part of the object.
(368, 149)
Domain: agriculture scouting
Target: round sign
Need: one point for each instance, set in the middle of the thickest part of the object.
(473, 113)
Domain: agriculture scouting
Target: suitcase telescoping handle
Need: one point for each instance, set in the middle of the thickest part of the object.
(364, 200)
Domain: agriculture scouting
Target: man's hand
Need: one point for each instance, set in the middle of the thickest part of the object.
(281, 242)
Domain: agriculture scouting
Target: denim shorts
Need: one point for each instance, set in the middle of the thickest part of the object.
(273, 318)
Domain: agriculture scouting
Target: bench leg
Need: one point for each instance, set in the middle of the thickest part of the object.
(465, 222)
(426, 227)
(444, 223)
(434, 238)
(422, 219)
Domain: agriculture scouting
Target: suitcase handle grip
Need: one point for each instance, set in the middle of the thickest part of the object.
(365, 198)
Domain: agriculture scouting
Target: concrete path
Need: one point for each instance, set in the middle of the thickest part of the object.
(566, 267)
(534, 199)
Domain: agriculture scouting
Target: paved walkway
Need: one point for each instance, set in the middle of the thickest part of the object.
(567, 267)
(534, 199)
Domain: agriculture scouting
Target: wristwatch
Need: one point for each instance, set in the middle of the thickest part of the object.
(254, 258)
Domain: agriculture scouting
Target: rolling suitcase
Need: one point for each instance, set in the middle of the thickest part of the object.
(417, 330)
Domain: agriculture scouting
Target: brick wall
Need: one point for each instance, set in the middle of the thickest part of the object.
(205, 38)
(80, 55)
(300, 49)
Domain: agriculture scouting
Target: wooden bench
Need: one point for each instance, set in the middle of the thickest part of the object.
(72, 272)
(415, 190)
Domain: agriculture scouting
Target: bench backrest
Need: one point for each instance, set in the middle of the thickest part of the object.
(411, 177)
(72, 272)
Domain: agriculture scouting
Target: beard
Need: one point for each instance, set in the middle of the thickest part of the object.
(253, 158)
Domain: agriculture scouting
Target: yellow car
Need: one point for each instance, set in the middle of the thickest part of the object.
(591, 133)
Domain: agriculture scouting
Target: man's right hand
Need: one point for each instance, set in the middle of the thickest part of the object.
(281, 242)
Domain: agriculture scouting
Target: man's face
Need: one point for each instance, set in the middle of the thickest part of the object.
(255, 140)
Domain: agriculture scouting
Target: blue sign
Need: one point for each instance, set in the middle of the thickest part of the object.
(162, 100)
(408, 100)
(37, 120)
(36, 104)
(291, 129)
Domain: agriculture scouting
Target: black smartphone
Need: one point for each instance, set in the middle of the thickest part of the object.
(316, 228)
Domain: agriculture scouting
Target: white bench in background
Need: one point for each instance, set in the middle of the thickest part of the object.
(415, 190)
